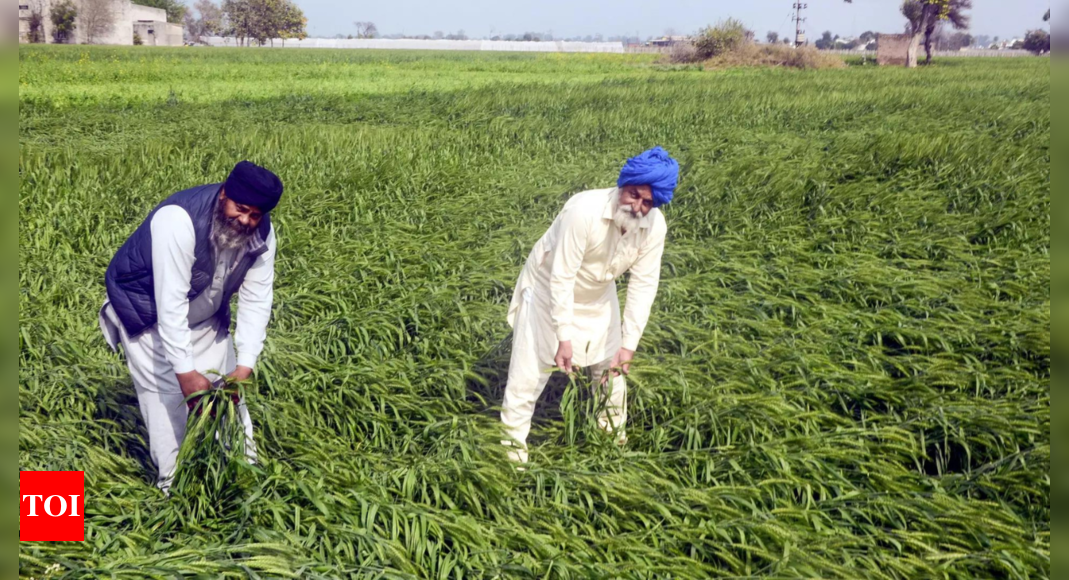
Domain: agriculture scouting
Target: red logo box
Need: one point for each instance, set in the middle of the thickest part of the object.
(52, 506)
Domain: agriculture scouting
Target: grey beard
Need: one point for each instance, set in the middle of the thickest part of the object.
(227, 235)
(624, 219)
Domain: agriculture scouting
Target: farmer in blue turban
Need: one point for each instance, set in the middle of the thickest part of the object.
(565, 312)
(169, 289)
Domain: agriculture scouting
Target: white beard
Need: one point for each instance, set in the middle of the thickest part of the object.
(624, 219)
(224, 236)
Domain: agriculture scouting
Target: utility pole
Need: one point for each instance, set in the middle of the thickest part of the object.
(799, 32)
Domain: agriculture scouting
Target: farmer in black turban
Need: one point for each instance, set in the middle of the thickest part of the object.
(169, 289)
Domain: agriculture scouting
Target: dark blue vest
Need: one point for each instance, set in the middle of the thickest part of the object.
(129, 277)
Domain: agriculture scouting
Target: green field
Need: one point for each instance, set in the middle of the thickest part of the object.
(846, 373)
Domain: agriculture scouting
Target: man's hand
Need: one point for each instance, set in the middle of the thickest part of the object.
(622, 361)
(241, 373)
(193, 382)
(564, 356)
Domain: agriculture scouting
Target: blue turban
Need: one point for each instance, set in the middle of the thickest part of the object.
(251, 184)
(655, 169)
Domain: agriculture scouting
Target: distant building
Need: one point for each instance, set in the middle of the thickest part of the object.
(24, 22)
(893, 49)
(670, 40)
(126, 19)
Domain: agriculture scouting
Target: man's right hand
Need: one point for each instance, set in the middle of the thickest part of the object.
(193, 382)
(564, 356)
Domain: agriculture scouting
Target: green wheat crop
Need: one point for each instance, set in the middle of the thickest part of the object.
(846, 373)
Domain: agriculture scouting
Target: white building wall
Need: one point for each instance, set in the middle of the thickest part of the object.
(147, 13)
(124, 15)
(24, 23)
(417, 44)
(120, 32)
(158, 33)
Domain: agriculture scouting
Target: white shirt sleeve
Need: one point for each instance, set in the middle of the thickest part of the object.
(573, 232)
(173, 244)
(642, 287)
(254, 305)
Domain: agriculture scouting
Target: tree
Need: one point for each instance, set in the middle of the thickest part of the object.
(208, 22)
(263, 20)
(36, 33)
(1037, 42)
(64, 16)
(96, 19)
(959, 40)
(825, 41)
(867, 37)
(239, 18)
(366, 29)
(438, 35)
(176, 10)
(292, 23)
(772, 37)
(924, 17)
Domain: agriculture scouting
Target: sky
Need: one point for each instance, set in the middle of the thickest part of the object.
(564, 18)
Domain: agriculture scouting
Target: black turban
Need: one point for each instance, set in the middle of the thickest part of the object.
(251, 184)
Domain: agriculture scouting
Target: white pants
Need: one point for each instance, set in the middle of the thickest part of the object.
(159, 395)
(527, 380)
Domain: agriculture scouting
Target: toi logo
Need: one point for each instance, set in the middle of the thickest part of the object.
(52, 506)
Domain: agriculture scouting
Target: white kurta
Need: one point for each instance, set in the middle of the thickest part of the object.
(567, 291)
(186, 336)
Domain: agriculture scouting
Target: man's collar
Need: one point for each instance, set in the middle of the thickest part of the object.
(644, 222)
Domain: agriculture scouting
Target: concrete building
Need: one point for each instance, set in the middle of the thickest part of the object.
(896, 49)
(670, 40)
(126, 18)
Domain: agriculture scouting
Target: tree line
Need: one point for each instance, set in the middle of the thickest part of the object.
(248, 21)
(927, 22)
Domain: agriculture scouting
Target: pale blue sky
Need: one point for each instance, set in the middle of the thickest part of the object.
(1005, 18)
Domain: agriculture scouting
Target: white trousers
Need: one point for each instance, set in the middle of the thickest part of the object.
(159, 395)
(527, 379)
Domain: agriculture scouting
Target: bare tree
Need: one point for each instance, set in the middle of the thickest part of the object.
(207, 22)
(36, 34)
(97, 19)
(366, 29)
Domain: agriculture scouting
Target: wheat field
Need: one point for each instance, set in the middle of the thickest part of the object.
(846, 373)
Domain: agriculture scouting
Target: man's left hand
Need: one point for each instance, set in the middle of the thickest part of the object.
(241, 373)
(621, 361)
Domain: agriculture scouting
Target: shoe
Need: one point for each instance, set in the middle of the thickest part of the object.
(516, 454)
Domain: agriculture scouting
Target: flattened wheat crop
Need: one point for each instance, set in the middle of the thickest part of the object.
(846, 373)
